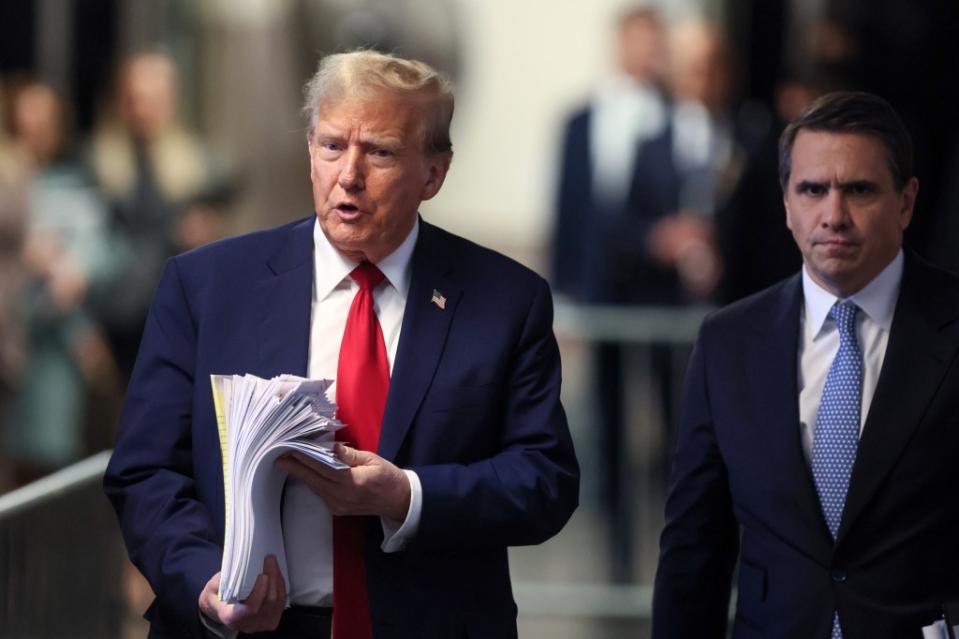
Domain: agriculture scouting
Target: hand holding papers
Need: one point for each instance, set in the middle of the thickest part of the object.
(262, 610)
(258, 421)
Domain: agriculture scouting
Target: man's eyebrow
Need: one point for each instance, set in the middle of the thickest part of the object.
(389, 141)
(328, 132)
(871, 184)
(805, 184)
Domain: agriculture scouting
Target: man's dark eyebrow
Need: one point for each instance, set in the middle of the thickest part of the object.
(802, 185)
(869, 184)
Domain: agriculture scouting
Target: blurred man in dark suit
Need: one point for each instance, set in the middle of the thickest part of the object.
(818, 442)
(617, 233)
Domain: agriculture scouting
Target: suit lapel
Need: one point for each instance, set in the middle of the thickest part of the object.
(422, 337)
(917, 357)
(775, 360)
(285, 302)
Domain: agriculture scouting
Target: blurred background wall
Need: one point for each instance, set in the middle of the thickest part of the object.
(519, 68)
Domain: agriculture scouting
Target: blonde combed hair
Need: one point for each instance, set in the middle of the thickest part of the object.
(366, 75)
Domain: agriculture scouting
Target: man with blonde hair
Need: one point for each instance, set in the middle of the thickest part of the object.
(446, 372)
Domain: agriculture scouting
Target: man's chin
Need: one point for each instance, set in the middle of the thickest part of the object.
(349, 240)
(837, 276)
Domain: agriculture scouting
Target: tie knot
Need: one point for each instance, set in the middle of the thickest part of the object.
(844, 314)
(367, 275)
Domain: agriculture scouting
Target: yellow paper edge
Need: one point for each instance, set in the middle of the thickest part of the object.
(224, 448)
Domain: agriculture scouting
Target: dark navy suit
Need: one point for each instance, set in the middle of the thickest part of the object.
(742, 485)
(473, 408)
(599, 251)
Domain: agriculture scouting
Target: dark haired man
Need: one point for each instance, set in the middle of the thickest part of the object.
(818, 438)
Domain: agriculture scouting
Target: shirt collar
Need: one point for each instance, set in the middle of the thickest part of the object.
(330, 267)
(877, 299)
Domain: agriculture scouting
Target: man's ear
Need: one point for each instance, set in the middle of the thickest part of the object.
(309, 147)
(786, 208)
(437, 168)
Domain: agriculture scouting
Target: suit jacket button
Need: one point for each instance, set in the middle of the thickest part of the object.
(838, 576)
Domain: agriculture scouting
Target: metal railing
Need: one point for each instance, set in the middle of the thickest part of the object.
(629, 324)
(61, 558)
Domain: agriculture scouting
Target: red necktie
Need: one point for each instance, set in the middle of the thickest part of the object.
(362, 382)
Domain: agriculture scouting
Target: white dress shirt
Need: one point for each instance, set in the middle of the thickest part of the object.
(819, 341)
(703, 149)
(307, 524)
(625, 113)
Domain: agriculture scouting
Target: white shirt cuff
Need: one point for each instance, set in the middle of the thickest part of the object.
(218, 629)
(395, 534)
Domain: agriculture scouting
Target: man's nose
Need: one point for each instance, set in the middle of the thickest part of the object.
(351, 171)
(835, 214)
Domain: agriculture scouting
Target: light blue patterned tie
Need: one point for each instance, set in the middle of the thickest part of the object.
(837, 426)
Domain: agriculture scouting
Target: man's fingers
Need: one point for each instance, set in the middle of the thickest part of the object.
(276, 601)
(209, 598)
(368, 487)
(271, 566)
(291, 464)
(325, 488)
(299, 465)
(282, 592)
(352, 456)
(254, 602)
(319, 467)
(295, 465)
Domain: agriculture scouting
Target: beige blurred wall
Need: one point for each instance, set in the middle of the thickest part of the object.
(524, 66)
(527, 64)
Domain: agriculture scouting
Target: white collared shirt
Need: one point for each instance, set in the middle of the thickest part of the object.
(819, 341)
(625, 113)
(307, 524)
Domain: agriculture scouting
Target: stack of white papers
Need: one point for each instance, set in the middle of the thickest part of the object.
(258, 421)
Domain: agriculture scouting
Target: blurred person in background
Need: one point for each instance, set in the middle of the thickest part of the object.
(703, 149)
(148, 166)
(617, 178)
(712, 140)
(12, 229)
(12, 351)
(203, 217)
(65, 257)
(617, 183)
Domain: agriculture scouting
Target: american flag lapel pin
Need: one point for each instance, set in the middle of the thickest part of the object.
(439, 299)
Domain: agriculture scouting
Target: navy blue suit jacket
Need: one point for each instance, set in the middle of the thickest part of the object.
(741, 483)
(599, 253)
(473, 408)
